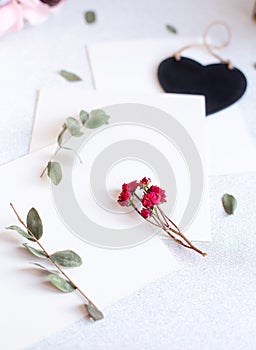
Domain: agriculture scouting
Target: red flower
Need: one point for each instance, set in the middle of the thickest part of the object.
(145, 213)
(159, 192)
(145, 181)
(131, 186)
(124, 198)
(150, 199)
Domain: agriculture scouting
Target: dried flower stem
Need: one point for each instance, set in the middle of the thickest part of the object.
(163, 221)
(88, 301)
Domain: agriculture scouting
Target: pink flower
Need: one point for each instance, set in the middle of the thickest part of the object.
(124, 198)
(11, 17)
(145, 213)
(150, 199)
(14, 12)
(145, 181)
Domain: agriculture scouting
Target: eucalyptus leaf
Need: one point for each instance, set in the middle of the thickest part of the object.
(34, 223)
(67, 258)
(90, 17)
(54, 172)
(171, 29)
(37, 252)
(61, 283)
(95, 313)
(83, 115)
(69, 76)
(229, 203)
(73, 127)
(97, 118)
(21, 232)
(44, 268)
(60, 136)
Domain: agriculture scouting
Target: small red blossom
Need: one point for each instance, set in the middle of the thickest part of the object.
(150, 199)
(145, 181)
(124, 198)
(145, 213)
(131, 186)
(159, 192)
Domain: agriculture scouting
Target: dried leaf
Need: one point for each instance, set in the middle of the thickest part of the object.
(54, 172)
(83, 115)
(67, 258)
(69, 76)
(95, 313)
(90, 17)
(73, 127)
(44, 268)
(97, 118)
(21, 232)
(37, 252)
(60, 136)
(229, 203)
(61, 283)
(171, 29)
(34, 223)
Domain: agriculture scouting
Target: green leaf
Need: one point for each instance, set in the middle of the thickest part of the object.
(54, 172)
(44, 268)
(90, 17)
(67, 258)
(171, 29)
(60, 136)
(21, 232)
(37, 252)
(73, 127)
(95, 313)
(34, 223)
(61, 283)
(229, 203)
(69, 76)
(97, 118)
(83, 115)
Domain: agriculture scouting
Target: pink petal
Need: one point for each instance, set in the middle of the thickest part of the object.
(11, 17)
(34, 11)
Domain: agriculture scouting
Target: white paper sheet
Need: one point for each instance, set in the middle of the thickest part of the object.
(55, 105)
(30, 308)
(132, 66)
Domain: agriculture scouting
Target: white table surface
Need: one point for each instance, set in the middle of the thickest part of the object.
(210, 303)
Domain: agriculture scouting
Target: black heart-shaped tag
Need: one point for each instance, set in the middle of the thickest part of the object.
(220, 85)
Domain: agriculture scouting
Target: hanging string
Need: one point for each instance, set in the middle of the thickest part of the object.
(209, 47)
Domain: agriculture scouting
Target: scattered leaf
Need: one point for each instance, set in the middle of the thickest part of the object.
(69, 76)
(34, 223)
(95, 313)
(97, 118)
(54, 172)
(229, 203)
(171, 29)
(60, 136)
(67, 258)
(83, 115)
(21, 232)
(61, 283)
(90, 17)
(37, 252)
(44, 268)
(73, 127)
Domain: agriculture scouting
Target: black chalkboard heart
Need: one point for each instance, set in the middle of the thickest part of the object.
(220, 85)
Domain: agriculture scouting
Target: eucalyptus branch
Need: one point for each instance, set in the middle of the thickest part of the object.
(74, 127)
(64, 258)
